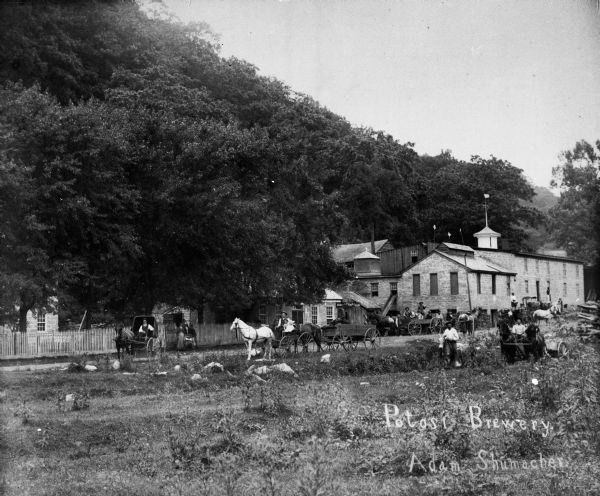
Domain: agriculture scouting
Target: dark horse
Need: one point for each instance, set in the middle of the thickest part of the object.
(513, 347)
(124, 341)
(314, 330)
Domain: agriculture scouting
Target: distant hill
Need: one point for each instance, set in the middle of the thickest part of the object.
(544, 199)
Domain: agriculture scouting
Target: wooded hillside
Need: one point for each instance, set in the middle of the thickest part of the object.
(137, 165)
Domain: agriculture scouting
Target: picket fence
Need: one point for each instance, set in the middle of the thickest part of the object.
(47, 344)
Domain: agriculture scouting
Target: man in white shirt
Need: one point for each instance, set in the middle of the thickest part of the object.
(513, 302)
(518, 331)
(450, 336)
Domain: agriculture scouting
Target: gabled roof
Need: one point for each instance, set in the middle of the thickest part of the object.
(346, 253)
(477, 264)
(363, 301)
(454, 246)
(330, 294)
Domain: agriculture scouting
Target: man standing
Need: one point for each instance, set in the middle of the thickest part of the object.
(279, 324)
(450, 338)
(513, 302)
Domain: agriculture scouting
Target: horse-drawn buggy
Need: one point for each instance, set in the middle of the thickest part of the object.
(520, 339)
(143, 335)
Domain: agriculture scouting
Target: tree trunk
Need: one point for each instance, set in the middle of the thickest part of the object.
(23, 318)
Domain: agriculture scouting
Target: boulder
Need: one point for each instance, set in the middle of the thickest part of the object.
(285, 368)
(196, 377)
(214, 365)
(326, 358)
(116, 365)
(91, 368)
(177, 368)
(262, 370)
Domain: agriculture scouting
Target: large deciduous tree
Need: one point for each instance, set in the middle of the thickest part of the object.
(575, 220)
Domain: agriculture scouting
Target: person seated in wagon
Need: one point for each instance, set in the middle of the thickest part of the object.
(281, 324)
(146, 330)
(518, 330)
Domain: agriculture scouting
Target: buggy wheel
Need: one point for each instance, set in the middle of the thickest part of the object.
(436, 325)
(307, 343)
(348, 344)
(286, 347)
(562, 350)
(372, 338)
(414, 328)
(333, 344)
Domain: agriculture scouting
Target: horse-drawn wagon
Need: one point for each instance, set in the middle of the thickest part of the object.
(349, 336)
(431, 325)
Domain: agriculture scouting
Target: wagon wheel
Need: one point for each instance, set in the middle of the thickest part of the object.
(563, 350)
(153, 351)
(436, 325)
(372, 338)
(414, 328)
(307, 343)
(287, 346)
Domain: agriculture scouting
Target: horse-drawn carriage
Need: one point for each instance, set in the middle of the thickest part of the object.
(142, 336)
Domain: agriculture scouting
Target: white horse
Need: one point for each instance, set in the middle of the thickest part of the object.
(468, 319)
(546, 314)
(251, 335)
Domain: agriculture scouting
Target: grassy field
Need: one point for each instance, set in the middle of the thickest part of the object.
(386, 422)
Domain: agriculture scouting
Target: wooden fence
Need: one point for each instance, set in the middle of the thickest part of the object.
(39, 344)
(42, 344)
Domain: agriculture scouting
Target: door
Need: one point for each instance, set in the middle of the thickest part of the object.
(537, 290)
(298, 315)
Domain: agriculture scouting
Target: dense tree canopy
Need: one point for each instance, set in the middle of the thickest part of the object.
(138, 166)
(575, 221)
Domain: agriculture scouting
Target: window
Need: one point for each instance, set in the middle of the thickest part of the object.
(564, 289)
(577, 271)
(41, 321)
(577, 289)
(453, 283)
(548, 266)
(416, 284)
(537, 265)
(329, 313)
(433, 285)
(478, 283)
(262, 314)
(374, 289)
(314, 315)
(564, 270)
(526, 286)
(493, 283)
(414, 256)
(508, 286)
(525, 264)
(393, 288)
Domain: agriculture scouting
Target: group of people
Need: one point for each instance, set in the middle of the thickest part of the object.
(421, 313)
(182, 331)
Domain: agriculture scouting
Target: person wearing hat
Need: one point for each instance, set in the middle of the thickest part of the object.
(450, 337)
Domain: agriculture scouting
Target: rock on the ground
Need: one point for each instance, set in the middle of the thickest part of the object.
(196, 377)
(213, 366)
(284, 367)
(262, 370)
(326, 358)
(116, 365)
(177, 368)
(91, 368)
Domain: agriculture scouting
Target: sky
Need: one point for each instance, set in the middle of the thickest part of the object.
(517, 79)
